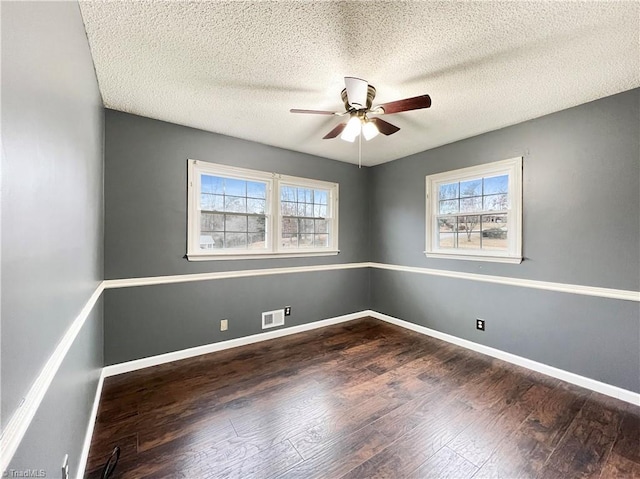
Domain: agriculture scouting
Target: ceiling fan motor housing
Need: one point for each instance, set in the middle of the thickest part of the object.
(371, 94)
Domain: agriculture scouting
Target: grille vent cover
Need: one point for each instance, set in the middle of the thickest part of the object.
(272, 319)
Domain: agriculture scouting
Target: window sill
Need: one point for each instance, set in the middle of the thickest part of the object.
(238, 256)
(476, 257)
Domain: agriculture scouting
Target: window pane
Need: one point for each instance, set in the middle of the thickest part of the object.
(495, 202)
(289, 225)
(470, 205)
(211, 184)
(256, 206)
(287, 193)
(320, 197)
(449, 191)
(289, 240)
(235, 240)
(446, 240)
(235, 223)
(256, 224)
(305, 240)
(469, 223)
(448, 206)
(256, 190)
(304, 195)
(211, 202)
(233, 187)
(288, 209)
(208, 242)
(468, 240)
(257, 241)
(306, 226)
(211, 222)
(218, 238)
(302, 210)
(321, 226)
(320, 211)
(469, 232)
(447, 225)
(494, 232)
(308, 210)
(235, 204)
(471, 188)
(321, 241)
(496, 184)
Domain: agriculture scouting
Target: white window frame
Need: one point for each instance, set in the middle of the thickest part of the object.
(511, 167)
(273, 216)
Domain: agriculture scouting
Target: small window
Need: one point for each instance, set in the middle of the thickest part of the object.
(476, 213)
(240, 213)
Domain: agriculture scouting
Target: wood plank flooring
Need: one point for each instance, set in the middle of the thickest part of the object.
(362, 399)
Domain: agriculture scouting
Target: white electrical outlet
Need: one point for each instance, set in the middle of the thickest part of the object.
(65, 467)
(224, 324)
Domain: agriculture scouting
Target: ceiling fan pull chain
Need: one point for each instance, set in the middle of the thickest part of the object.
(359, 151)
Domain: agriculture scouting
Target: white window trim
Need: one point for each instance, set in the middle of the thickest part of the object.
(273, 217)
(512, 167)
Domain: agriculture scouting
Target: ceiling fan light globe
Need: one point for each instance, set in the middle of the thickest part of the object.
(349, 138)
(352, 130)
(369, 130)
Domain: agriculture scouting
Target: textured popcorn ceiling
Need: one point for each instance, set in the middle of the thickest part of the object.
(237, 68)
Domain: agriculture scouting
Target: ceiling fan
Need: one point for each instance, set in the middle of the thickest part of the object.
(358, 97)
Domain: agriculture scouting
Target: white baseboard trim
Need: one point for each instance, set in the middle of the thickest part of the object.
(222, 345)
(22, 417)
(82, 465)
(587, 383)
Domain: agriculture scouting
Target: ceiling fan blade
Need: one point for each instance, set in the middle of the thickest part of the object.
(356, 92)
(384, 127)
(314, 112)
(335, 132)
(415, 103)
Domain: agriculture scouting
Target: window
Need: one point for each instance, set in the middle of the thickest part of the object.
(241, 213)
(476, 213)
(304, 217)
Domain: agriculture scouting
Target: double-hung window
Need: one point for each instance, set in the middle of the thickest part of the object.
(242, 213)
(476, 213)
(305, 220)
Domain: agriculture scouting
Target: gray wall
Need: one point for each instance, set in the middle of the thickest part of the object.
(146, 195)
(59, 426)
(149, 320)
(145, 235)
(581, 176)
(581, 202)
(52, 138)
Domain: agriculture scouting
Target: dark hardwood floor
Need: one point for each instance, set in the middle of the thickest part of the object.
(361, 399)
